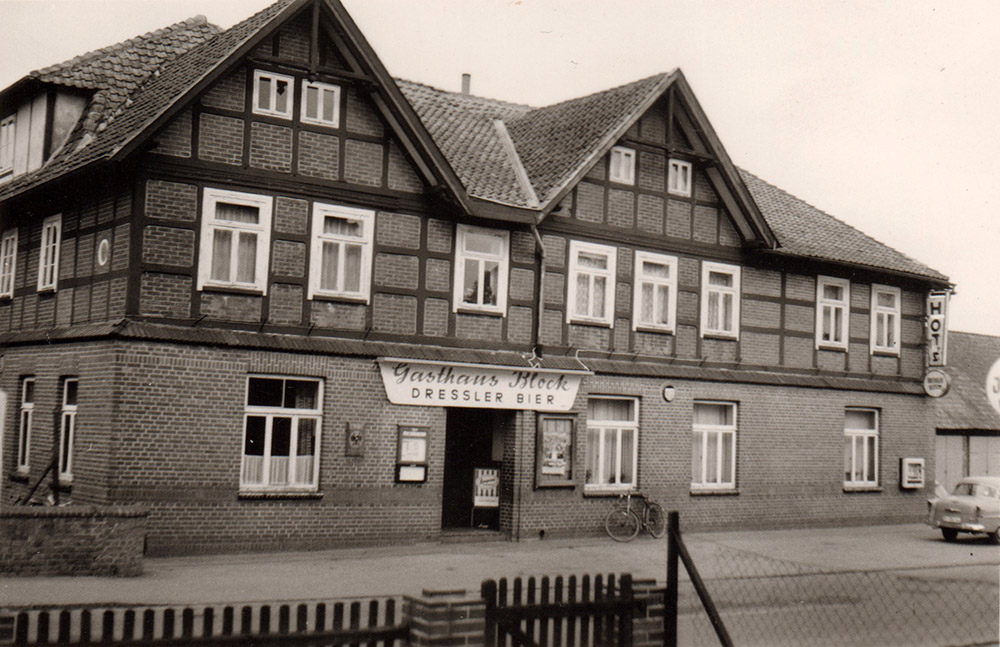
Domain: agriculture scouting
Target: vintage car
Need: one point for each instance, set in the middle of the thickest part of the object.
(973, 506)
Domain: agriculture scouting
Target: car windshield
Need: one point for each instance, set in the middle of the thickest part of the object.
(977, 489)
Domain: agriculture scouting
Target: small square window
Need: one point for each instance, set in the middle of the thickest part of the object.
(272, 94)
(320, 104)
(679, 178)
(622, 168)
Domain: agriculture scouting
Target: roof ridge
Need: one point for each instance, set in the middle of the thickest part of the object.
(462, 95)
(194, 21)
(977, 334)
(659, 75)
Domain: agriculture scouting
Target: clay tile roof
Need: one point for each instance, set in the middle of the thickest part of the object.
(553, 142)
(133, 82)
(804, 230)
(965, 406)
(462, 127)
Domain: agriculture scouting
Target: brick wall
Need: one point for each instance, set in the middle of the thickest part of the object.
(95, 227)
(72, 540)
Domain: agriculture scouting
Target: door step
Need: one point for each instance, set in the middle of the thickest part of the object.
(470, 535)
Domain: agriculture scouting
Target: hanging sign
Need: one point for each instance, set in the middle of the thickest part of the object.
(478, 386)
(993, 386)
(937, 329)
(936, 383)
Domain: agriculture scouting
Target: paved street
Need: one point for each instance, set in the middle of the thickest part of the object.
(885, 584)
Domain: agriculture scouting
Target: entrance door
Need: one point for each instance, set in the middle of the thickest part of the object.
(472, 442)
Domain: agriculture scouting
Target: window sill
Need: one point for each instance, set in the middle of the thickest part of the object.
(555, 486)
(340, 298)
(654, 329)
(278, 494)
(19, 477)
(831, 347)
(720, 335)
(5, 298)
(885, 353)
(714, 492)
(231, 289)
(590, 322)
(47, 290)
(852, 489)
(608, 491)
(475, 311)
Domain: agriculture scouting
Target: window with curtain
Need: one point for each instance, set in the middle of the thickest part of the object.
(8, 262)
(341, 259)
(281, 434)
(235, 240)
(713, 455)
(591, 283)
(861, 447)
(720, 300)
(655, 291)
(885, 319)
(612, 443)
(320, 104)
(832, 312)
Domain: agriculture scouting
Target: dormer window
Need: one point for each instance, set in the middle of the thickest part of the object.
(320, 104)
(622, 169)
(679, 178)
(7, 127)
(272, 94)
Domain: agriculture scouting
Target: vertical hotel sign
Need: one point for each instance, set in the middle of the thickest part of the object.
(937, 328)
(452, 384)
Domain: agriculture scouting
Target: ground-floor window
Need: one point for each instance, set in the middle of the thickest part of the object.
(281, 434)
(713, 455)
(612, 442)
(24, 427)
(67, 428)
(860, 447)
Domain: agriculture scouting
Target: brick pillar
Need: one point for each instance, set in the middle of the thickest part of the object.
(647, 626)
(445, 618)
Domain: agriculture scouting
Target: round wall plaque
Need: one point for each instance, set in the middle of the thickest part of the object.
(936, 383)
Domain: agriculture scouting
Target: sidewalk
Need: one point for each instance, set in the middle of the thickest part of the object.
(408, 570)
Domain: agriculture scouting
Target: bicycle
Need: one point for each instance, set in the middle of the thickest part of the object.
(623, 524)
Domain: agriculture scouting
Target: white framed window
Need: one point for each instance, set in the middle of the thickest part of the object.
(720, 300)
(8, 127)
(24, 424)
(612, 443)
(341, 259)
(833, 312)
(679, 178)
(481, 269)
(320, 104)
(272, 94)
(860, 447)
(713, 446)
(885, 319)
(281, 433)
(67, 427)
(48, 259)
(235, 240)
(622, 166)
(591, 285)
(8, 262)
(655, 304)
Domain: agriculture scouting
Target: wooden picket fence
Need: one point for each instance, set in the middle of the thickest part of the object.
(376, 622)
(596, 612)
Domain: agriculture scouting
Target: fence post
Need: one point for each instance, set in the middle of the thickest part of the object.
(670, 594)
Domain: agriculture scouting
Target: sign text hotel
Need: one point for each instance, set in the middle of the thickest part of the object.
(431, 384)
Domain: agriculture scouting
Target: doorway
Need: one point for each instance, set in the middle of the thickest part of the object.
(473, 459)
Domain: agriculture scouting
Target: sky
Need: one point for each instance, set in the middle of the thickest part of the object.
(883, 113)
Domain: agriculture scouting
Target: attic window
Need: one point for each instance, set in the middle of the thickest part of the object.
(622, 165)
(272, 94)
(320, 104)
(679, 178)
(7, 144)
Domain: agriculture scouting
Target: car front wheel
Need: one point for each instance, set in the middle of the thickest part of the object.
(949, 534)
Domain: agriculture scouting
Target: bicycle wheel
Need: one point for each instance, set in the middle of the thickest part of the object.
(622, 525)
(656, 519)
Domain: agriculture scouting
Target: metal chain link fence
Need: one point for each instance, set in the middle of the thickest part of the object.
(770, 602)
